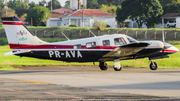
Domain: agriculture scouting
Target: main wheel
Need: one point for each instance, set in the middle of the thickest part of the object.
(153, 66)
(103, 66)
(116, 69)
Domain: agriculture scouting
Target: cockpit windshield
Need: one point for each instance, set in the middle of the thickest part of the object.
(131, 40)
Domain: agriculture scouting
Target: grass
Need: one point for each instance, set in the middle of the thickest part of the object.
(7, 62)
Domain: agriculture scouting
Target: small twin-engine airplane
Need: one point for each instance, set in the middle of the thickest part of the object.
(114, 47)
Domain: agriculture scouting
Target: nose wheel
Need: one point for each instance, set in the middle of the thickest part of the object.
(153, 65)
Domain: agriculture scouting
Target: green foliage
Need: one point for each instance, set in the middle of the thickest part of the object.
(32, 4)
(55, 12)
(72, 25)
(3, 41)
(42, 3)
(24, 15)
(110, 2)
(109, 9)
(55, 4)
(67, 5)
(19, 6)
(138, 9)
(92, 4)
(39, 15)
(165, 3)
(153, 25)
(101, 25)
(108, 25)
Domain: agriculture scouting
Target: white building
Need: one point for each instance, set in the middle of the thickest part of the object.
(90, 15)
(74, 4)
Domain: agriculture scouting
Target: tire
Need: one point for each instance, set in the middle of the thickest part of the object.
(118, 69)
(153, 67)
(103, 66)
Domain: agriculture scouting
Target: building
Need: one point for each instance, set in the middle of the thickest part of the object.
(90, 15)
(172, 16)
(74, 4)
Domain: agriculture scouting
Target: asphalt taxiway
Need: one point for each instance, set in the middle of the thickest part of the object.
(89, 83)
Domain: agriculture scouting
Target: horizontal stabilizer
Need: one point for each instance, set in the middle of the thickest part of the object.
(16, 52)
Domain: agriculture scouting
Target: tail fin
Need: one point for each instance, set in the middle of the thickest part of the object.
(18, 34)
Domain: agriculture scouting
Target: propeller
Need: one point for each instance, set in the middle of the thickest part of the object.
(166, 45)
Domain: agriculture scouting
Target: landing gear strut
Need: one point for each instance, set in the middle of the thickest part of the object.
(117, 65)
(153, 65)
(103, 65)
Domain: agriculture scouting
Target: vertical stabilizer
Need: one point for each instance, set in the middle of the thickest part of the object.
(18, 34)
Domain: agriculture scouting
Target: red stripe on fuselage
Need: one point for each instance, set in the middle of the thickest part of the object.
(173, 51)
(16, 46)
(12, 23)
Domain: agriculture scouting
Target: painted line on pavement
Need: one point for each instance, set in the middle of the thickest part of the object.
(64, 95)
(36, 82)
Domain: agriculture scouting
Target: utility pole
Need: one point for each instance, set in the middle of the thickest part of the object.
(6, 9)
(83, 14)
(31, 21)
(51, 5)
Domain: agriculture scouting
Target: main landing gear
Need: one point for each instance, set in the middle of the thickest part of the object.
(117, 65)
(103, 65)
(153, 65)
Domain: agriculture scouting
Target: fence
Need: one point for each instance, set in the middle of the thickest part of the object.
(170, 35)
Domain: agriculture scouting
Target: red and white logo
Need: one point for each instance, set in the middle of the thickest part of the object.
(21, 33)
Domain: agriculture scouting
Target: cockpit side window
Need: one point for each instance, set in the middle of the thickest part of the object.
(119, 41)
(106, 43)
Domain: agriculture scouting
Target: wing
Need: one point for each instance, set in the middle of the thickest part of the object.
(16, 52)
(126, 50)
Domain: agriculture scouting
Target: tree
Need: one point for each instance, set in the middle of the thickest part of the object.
(32, 4)
(109, 9)
(55, 4)
(140, 10)
(19, 6)
(39, 15)
(42, 3)
(92, 4)
(164, 3)
(67, 4)
(110, 2)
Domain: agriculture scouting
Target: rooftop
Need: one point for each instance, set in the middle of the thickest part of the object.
(90, 12)
(170, 15)
(63, 10)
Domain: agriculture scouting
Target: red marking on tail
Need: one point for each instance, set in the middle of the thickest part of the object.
(12, 23)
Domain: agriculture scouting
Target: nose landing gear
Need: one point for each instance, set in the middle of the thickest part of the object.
(153, 65)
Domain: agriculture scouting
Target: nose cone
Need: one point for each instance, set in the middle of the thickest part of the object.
(172, 49)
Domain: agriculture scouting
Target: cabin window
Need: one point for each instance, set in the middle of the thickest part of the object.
(90, 44)
(106, 43)
(77, 46)
(119, 41)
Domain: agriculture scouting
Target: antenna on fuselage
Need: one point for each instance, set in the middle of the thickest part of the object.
(65, 36)
(92, 33)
